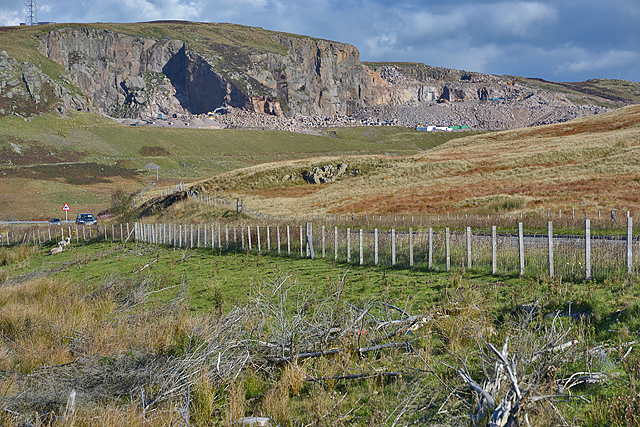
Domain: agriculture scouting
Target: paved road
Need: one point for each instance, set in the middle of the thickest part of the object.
(45, 222)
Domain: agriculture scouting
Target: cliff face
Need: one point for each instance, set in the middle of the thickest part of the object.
(129, 76)
(186, 67)
(314, 77)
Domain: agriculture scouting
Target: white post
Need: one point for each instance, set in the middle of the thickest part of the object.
(258, 234)
(629, 244)
(468, 248)
(288, 241)
(411, 245)
(249, 236)
(301, 243)
(324, 241)
(268, 240)
(430, 255)
(447, 244)
(375, 246)
(278, 233)
(361, 253)
(587, 249)
(348, 245)
(393, 247)
(335, 242)
(494, 250)
(521, 247)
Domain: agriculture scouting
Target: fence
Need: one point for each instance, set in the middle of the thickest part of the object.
(570, 219)
(586, 257)
(575, 257)
(12, 235)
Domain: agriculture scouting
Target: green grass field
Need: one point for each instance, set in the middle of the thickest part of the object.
(114, 305)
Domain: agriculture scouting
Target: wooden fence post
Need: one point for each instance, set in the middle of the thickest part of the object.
(447, 244)
(242, 235)
(226, 236)
(393, 247)
(288, 241)
(249, 236)
(494, 250)
(335, 242)
(468, 248)
(348, 245)
(411, 246)
(375, 246)
(324, 241)
(629, 244)
(198, 240)
(587, 249)
(521, 247)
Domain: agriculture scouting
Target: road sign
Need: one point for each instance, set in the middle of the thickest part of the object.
(66, 210)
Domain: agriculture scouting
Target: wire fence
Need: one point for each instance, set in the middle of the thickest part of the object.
(575, 256)
(527, 254)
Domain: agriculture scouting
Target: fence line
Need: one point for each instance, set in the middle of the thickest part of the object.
(586, 256)
(445, 219)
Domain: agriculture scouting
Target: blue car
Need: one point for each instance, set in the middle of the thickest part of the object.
(86, 219)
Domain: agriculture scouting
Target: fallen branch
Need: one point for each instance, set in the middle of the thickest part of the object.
(161, 290)
(303, 356)
(152, 262)
(356, 377)
(335, 351)
(186, 257)
(384, 346)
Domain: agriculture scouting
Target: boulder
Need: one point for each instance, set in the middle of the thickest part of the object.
(135, 83)
(324, 174)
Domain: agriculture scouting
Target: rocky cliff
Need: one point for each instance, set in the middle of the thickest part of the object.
(182, 68)
(131, 76)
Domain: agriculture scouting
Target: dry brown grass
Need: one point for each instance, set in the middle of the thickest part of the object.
(590, 163)
(51, 322)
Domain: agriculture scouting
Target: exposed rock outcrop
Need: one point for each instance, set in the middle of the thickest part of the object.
(121, 73)
(327, 173)
(279, 76)
(26, 90)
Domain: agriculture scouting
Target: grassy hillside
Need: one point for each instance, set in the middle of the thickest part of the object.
(21, 42)
(102, 155)
(589, 164)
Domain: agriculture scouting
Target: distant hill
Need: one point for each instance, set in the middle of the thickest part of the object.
(144, 70)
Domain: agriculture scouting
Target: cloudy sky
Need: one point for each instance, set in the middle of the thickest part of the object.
(561, 40)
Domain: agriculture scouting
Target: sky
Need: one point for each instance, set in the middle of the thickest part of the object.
(559, 40)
